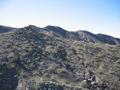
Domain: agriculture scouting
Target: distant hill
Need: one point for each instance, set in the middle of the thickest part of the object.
(80, 35)
(4, 29)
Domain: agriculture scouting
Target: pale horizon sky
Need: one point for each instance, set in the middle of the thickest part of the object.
(96, 16)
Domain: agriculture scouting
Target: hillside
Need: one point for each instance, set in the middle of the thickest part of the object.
(35, 58)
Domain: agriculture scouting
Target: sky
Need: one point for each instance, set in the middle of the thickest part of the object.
(97, 16)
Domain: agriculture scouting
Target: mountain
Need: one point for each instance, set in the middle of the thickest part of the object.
(4, 29)
(83, 35)
(36, 58)
(80, 35)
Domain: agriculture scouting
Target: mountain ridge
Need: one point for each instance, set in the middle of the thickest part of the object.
(80, 35)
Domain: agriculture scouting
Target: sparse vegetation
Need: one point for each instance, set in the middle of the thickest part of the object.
(29, 55)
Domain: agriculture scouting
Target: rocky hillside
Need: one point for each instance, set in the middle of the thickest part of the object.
(83, 35)
(33, 58)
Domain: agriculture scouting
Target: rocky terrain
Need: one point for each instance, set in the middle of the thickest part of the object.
(51, 58)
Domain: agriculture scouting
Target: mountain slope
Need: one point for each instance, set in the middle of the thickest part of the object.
(79, 35)
(37, 58)
(83, 35)
(4, 29)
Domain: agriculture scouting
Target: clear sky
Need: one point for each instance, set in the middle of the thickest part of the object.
(97, 16)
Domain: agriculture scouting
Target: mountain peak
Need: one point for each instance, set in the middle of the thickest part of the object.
(50, 27)
(57, 30)
(31, 26)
